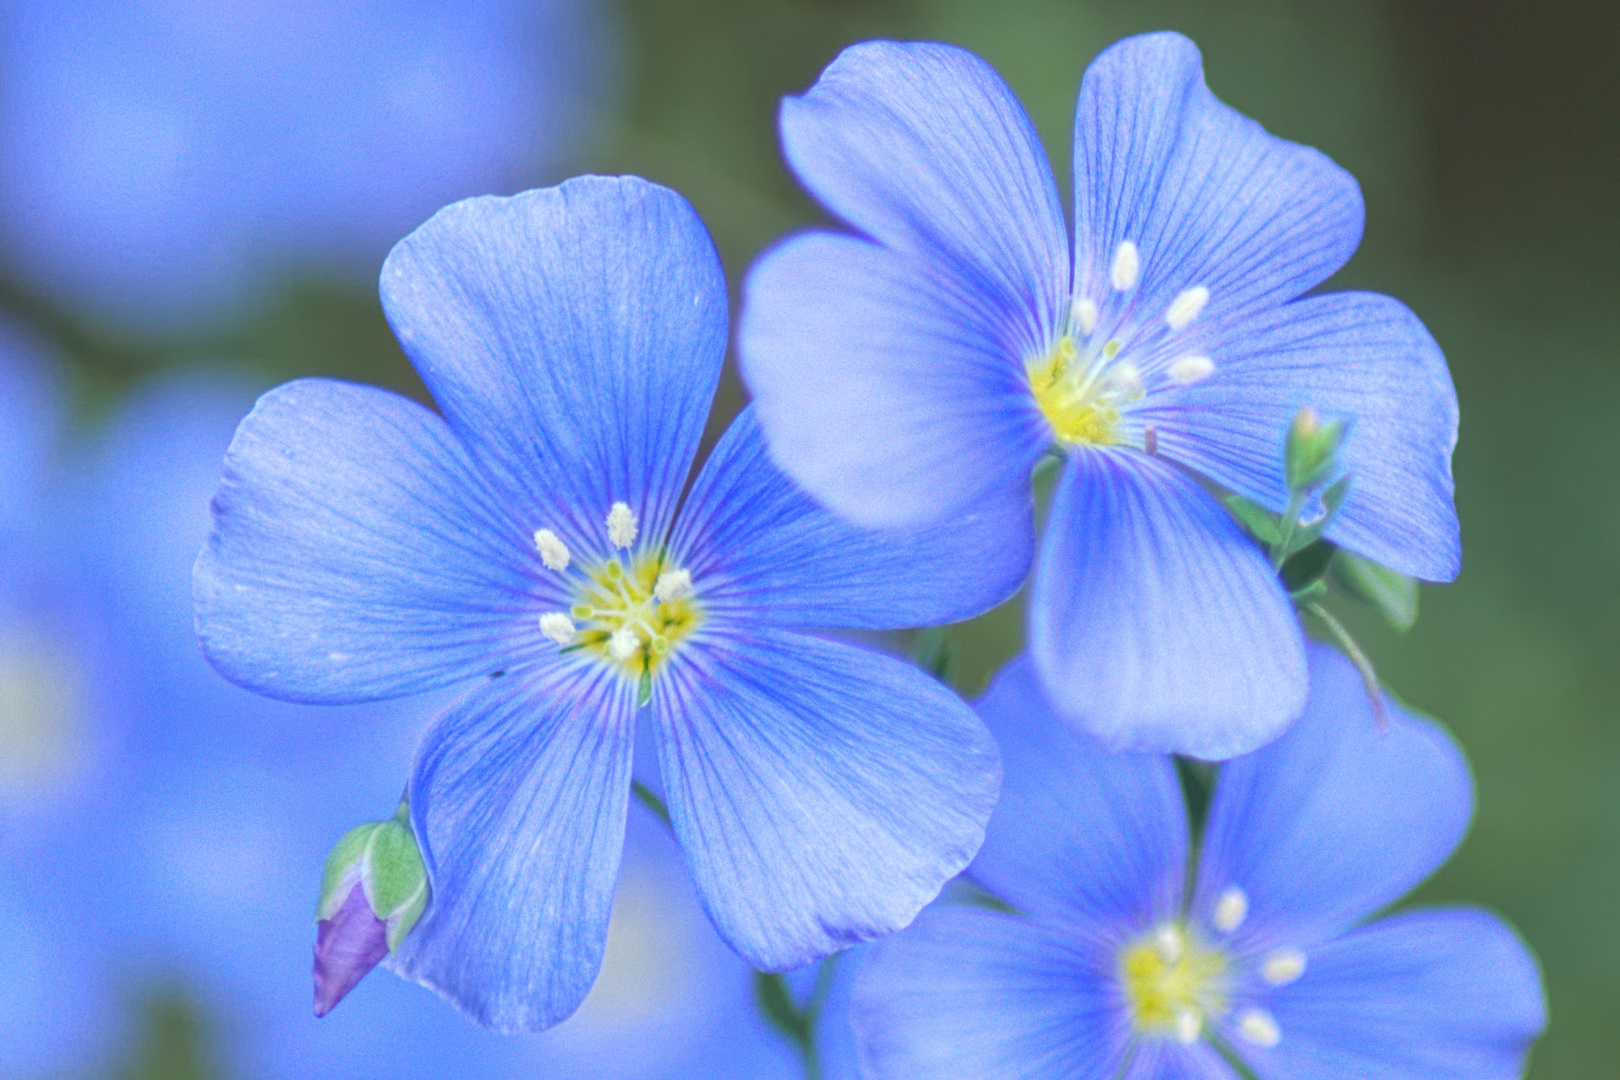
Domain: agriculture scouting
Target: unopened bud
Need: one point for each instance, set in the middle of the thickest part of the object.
(1309, 450)
(373, 891)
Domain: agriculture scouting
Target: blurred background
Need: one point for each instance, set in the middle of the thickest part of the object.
(195, 198)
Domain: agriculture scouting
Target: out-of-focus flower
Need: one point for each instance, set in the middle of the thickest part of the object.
(912, 371)
(165, 159)
(216, 830)
(1109, 970)
(365, 547)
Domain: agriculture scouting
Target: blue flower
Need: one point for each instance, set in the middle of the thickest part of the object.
(193, 863)
(170, 159)
(528, 542)
(921, 366)
(1116, 968)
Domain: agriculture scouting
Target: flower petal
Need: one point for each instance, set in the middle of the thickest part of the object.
(1449, 994)
(357, 553)
(923, 148)
(1156, 624)
(573, 338)
(892, 390)
(1080, 834)
(1336, 819)
(966, 994)
(1206, 195)
(823, 793)
(519, 796)
(1358, 356)
(760, 548)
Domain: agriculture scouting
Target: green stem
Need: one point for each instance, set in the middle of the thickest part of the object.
(1289, 523)
(644, 795)
(1369, 675)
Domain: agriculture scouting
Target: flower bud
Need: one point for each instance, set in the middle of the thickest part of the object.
(373, 890)
(1310, 448)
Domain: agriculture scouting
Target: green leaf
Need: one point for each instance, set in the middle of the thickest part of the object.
(1262, 524)
(1391, 593)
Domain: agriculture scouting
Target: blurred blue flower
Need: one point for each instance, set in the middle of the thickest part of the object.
(211, 837)
(1114, 969)
(167, 159)
(366, 548)
(924, 365)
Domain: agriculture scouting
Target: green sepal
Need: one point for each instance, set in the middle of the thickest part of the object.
(1332, 499)
(402, 922)
(395, 875)
(1261, 523)
(1309, 564)
(1311, 593)
(932, 652)
(644, 688)
(1309, 449)
(343, 868)
(1391, 593)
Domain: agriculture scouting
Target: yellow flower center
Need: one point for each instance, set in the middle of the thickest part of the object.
(632, 618)
(1173, 983)
(1080, 398)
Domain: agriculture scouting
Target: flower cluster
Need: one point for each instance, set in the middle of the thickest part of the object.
(546, 541)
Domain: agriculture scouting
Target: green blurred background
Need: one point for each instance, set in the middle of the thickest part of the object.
(1483, 134)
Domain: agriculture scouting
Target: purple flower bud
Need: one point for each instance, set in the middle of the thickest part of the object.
(349, 944)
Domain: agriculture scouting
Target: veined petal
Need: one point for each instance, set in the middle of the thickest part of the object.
(1448, 994)
(923, 148)
(893, 390)
(1207, 197)
(1357, 356)
(30, 409)
(822, 793)
(358, 553)
(765, 551)
(1081, 834)
(1155, 623)
(1336, 819)
(573, 338)
(966, 994)
(519, 796)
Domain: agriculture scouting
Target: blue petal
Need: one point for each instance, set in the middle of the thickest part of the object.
(1359, 356)
(1449, 994)
(823, 793)
(519, 795)
(1167, 1059)
(30, 409)
(977, 995)
(890, 374)
(760, 548)
(572, 337)
(1156, 624)
(1206, 195)
(358, 553)
(1334, 820)
(1080, 834)
(924, 149)
(892, 389)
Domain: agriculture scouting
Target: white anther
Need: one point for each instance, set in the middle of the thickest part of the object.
(1191, 369)
(1186, 306)
(1188, 1025)
(1084, 314)
(672, 585)
(553, 552)
(621, 523)
(1125, 378)
(1127, 263)
(558, 627)
(1231, 909)
(1257, 1026)
(1283, 967)
(623, 643)
(1169, 943)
